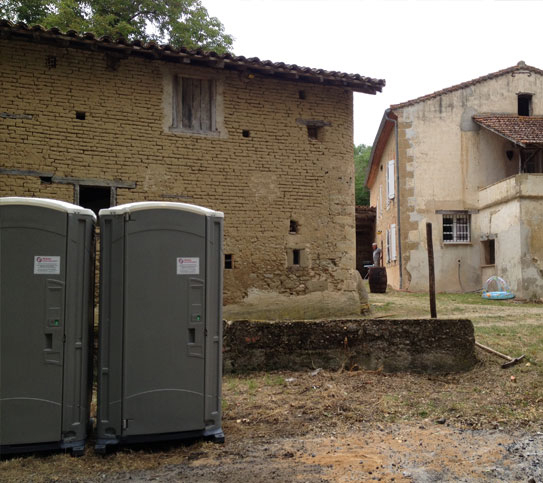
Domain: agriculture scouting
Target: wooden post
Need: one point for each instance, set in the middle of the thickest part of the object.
(431, 274)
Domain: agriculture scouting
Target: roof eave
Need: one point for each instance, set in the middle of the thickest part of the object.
(123, 49)
(501, 134)
(381, 139)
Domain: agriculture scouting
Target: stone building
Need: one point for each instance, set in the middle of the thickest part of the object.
(469, 160)
(99, 122)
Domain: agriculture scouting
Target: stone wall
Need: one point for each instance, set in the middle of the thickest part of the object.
(421, 345)
(80, 118)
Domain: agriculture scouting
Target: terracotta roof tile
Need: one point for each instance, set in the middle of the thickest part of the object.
(520, 67)
(522, 130)
(88, 40)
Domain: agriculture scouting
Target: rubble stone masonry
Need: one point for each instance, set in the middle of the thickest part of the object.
(262, 179)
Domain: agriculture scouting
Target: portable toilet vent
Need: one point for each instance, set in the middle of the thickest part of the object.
(160, 361)
(46, 315)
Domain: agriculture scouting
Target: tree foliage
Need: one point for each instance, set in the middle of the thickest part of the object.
(184, 23)
(361, 160)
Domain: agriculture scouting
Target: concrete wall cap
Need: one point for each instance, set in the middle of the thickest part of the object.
(48, 203)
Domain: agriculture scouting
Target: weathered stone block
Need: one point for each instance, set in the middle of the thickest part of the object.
(413, 345)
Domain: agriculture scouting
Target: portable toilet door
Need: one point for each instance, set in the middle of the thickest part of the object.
(46, 314)
(160, 361)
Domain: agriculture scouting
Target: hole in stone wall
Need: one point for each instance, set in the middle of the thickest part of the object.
(46, 179)
(293, 228)
(81, 115)
(245, 133)
(313, 132)
(51, 62)
(301, 94)
(296, 256)
(228, 261)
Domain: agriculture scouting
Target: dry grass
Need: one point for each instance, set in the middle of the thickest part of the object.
(264, 407)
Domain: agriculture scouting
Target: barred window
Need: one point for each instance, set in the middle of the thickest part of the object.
(194, 104)
(456, 228)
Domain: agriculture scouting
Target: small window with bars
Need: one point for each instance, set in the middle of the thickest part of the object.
(456, 228)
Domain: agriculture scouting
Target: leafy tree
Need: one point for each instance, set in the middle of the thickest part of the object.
(361, 160)
(179, 22)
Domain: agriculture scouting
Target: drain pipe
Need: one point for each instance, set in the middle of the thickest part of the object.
(398, 223)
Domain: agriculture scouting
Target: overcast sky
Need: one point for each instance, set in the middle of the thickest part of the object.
(417, 46)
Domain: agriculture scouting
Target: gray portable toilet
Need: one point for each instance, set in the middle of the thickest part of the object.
(160, 340)
(46, 315)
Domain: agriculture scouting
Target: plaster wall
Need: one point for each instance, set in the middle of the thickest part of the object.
(502, 221)
(531, 207)
(386, 212)
(260, 181)
(512, 212)
(448, 158)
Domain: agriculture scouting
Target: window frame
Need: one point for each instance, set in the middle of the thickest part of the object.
(456, 233)
(179, 104)
(488, 252)
(524, 103)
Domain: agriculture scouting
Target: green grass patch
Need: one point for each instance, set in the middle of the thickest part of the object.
(274, 380)
(513, 340)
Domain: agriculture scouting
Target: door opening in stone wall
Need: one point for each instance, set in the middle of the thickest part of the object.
(95, 197)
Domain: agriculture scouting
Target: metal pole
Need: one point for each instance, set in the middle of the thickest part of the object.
(431, 274)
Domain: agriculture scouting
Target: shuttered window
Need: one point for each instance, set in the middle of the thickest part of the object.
(392, 243)
(380, 202)
(387, 243)
(390, 179)
(194, 104)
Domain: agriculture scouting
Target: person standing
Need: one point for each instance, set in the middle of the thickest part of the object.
(376, 255)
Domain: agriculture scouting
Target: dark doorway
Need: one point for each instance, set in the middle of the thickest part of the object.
(95, 197)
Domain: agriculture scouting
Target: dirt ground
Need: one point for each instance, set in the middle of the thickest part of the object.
(315, 426)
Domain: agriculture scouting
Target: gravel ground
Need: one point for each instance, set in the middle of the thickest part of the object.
(401, 453)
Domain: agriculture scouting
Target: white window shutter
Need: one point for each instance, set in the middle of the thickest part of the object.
(393, 242)
(390, 179)
(388, 245)
(380, 207)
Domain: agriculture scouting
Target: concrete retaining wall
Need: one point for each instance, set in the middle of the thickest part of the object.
(416, 345)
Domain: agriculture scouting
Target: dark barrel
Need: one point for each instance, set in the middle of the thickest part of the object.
(378, 279)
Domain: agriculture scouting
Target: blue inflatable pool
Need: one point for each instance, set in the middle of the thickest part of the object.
(498, 295)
